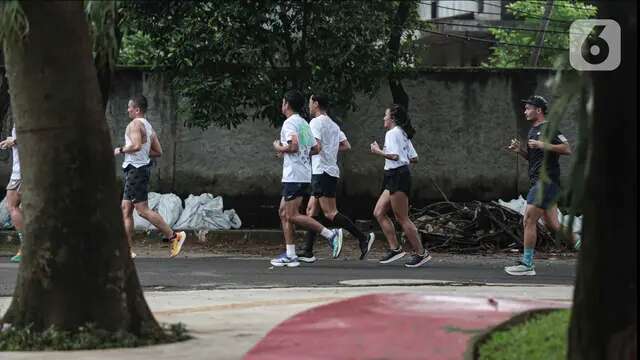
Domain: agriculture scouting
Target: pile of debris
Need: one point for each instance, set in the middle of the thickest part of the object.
(476, 227)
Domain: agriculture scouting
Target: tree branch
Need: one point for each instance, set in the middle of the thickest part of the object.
(395, 85)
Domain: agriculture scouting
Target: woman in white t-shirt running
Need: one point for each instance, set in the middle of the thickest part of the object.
(398, 153)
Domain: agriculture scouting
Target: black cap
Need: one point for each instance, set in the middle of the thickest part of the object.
(537, 101)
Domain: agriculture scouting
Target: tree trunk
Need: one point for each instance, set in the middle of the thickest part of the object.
(395, 83)
(603, 322)
(76, 267)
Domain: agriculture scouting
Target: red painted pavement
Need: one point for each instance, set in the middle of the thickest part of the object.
(389, 326)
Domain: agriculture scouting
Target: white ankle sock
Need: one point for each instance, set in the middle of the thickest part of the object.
(291, 250)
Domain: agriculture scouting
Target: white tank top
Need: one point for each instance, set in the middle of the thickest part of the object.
(15, 173)
(141, 157)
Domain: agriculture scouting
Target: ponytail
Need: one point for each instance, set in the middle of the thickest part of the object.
(401, 118)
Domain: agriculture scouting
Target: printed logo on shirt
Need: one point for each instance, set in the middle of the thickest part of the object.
(305, 136)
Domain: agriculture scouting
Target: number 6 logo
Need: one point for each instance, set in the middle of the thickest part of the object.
(594, 45)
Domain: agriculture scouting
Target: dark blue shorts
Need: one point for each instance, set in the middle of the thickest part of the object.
(290, 191)
(546, 199)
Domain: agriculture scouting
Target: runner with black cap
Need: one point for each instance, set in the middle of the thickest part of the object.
(543, 194)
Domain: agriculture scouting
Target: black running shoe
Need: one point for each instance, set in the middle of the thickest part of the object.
(305, 255)
(392, 255)
(418, 260)
(366, 244)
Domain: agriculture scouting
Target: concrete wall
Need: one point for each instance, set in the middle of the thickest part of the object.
(463, 118)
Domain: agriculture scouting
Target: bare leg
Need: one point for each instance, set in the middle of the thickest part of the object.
(329, 207)
(310, 237)
(531, 217)
(550, 218)
(13, 206)
(400, 206)
(312, 207)
(153, 217)
(292, 214)
(288, 229)
(380, 213)
(127, 216)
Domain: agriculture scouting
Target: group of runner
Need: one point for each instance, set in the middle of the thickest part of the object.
(310, 153)
(310, 167)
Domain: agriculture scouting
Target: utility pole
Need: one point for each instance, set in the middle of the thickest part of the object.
(535, 54)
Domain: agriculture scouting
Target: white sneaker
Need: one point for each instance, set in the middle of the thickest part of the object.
(283, 260)
(336, 243)
(520, 270)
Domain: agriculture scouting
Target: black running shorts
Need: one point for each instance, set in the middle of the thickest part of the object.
(136, 183)
(291, 190)
(398, 179)
(323, 185)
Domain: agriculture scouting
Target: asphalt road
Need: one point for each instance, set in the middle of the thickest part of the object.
(219, 272)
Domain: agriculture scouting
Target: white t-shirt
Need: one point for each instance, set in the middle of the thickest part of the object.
(15, 172)
(330, 136)
(396, 142)
(296, 166)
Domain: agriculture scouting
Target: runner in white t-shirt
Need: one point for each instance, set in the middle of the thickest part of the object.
(14, 193)
(324, 180)
(295, 146)
(398, 153)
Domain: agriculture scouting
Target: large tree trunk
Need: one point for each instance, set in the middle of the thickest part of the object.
(76, 267)
(603, 323)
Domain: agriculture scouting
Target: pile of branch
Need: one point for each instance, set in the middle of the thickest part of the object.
(475, 227)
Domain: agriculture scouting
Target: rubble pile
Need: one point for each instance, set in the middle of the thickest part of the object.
(476, 227)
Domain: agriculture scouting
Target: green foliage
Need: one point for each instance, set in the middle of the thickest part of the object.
(544, 337)
(102, 17)
(13, 21)
(531, 12)
(136, 49)
(233, 60)
(85, 338)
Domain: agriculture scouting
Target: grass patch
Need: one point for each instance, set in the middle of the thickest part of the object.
(85, 338)
(543, 337)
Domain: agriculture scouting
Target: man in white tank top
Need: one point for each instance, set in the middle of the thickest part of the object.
(141, 144)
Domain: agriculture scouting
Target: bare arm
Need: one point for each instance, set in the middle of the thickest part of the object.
(375, 149)
(156, 148)
(291, 147)
(135, 134)
(562, 149)
(315, 149)
(344, 146)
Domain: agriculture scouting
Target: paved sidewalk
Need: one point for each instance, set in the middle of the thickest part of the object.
(226, 324)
